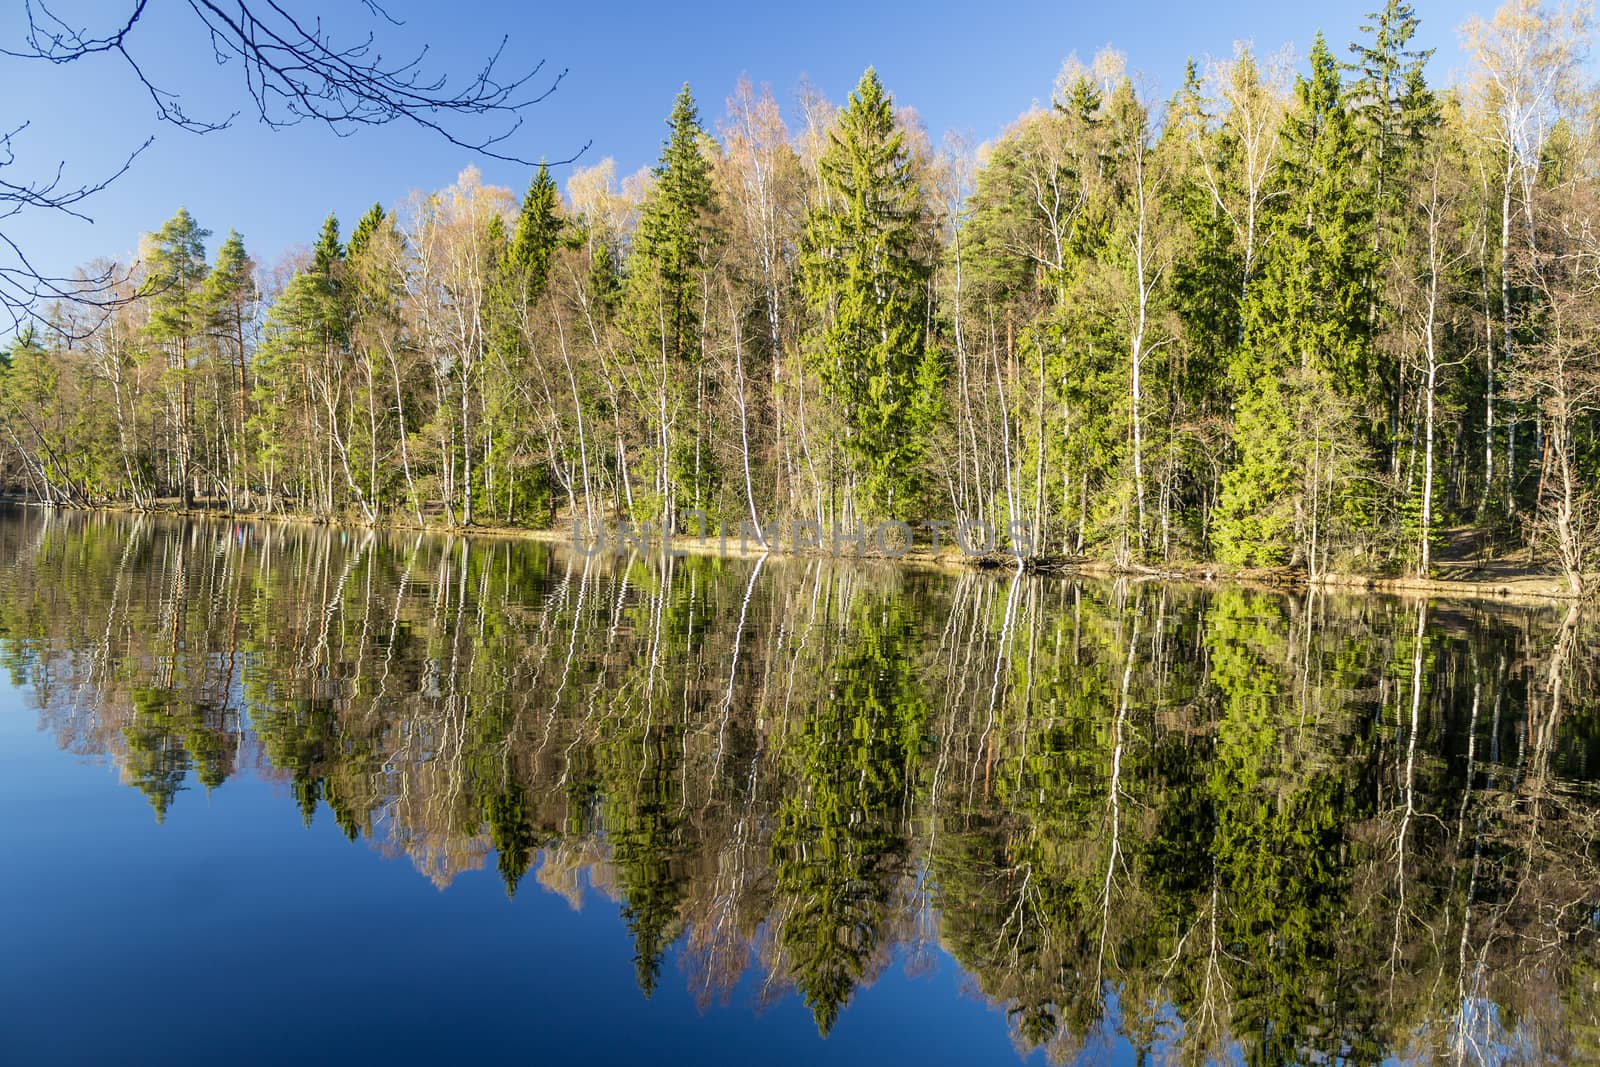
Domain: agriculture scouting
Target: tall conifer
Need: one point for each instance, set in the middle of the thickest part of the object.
(865, 275)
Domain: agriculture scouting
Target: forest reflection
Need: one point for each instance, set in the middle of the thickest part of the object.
(1215, 823)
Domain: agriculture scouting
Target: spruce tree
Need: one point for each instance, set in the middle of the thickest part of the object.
(537, 235)
(367, 227)
(522, 274)
(370, 284)
(866, 277)
(1313, 308)
(1206, 285)
(1307, 331)
(1393, 109)
(670, 245)
(327, 251)
(666, 286)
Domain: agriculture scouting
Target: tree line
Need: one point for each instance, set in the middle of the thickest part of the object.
(1312, 319)
(1218, 824)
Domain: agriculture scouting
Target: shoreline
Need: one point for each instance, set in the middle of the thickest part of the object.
(1527, 587)
(1523, 586)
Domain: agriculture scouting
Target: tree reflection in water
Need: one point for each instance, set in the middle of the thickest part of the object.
(1213, 822)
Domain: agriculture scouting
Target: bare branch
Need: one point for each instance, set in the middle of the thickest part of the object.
(294, 71)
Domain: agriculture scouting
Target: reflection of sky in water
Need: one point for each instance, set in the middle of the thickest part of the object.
(962, 731)
(233, 930)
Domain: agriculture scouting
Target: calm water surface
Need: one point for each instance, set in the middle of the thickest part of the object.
(280, 792)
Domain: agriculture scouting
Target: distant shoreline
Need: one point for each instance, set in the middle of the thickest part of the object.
(1508, 585)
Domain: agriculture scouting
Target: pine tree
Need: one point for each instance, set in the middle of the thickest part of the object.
(176, 267)
(228, 299)
(866, 278)
(30, 381)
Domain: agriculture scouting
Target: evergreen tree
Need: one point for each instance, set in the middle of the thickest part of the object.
(374, 290)
(30, 405)
(176, 265)
(1206, 286)
(1313, 308)
(1393, 109)
(1260, 335)
(670, 246)
(666, 289)
(228, 299)
(282, 419)
(506, 813)
(1308, 334)
(300, 371)
(522, 276)
(538, 233)
(328, 274)
(367, 227)
(327, 251)
(866, 277)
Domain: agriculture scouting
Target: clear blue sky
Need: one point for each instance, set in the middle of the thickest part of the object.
(965, 67)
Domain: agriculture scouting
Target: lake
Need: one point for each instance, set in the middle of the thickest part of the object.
(276, 791)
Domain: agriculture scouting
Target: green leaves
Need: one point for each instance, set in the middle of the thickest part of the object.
(1308, 338)
(175, 263)
(865, 277)
(540, 225)
(670, 245)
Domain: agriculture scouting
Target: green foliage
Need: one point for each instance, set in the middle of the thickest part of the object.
(367, 228)
(1307, 328)
(230, 287)
(835, 840)
(865, 275)
(538, 233)
(1107, 803)
(328, 251)
(1311, 308)
(1214, 331)
(175, 267)
(1207, 279)
(1255, 520)
(665, 292)
(670, 246)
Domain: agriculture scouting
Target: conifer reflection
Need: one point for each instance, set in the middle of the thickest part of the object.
(1210, 822)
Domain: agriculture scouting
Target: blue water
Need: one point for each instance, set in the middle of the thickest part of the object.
(484, 801)
(234, 932)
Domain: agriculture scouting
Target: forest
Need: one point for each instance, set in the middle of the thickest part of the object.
(1312, 313)
(1222, 824)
